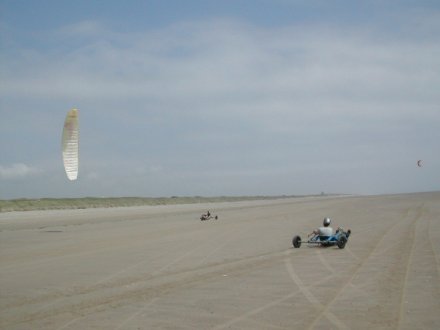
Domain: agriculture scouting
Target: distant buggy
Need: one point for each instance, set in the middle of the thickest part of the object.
(208, 216)
(340, 238)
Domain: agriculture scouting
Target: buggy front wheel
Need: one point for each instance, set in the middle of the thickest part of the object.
(296, 241)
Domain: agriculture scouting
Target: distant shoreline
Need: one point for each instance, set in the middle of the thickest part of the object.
(24, 204)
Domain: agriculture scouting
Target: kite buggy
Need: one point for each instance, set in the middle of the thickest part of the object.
(324, 236)
(208, 216)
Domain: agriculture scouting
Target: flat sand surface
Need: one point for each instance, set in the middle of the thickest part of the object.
(160, 267)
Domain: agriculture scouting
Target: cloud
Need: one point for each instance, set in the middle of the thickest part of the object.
(224, 62)
(17, 171)
(82, 29)
(224, 103)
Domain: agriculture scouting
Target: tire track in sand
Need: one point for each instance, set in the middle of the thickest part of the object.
(201, 262)
(436, 257)
(273, 303)
(325, 311)
(154, 273)
(308, 294)
(414, 226)
(324, 308)
(423, 263)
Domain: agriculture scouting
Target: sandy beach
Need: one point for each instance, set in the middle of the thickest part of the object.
(160, 267)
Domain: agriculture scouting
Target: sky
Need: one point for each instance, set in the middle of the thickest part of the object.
(214, 98)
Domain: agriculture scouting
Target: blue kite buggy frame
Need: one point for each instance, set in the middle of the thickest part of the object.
(340, 238)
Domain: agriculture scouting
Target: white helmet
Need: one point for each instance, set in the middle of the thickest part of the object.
(326, 222)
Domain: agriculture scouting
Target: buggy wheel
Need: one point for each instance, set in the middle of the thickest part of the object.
(296, 241)
(342, 241)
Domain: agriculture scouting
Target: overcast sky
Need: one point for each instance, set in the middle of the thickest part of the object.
(233, 97)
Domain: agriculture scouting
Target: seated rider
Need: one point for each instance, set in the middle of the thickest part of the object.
(323, 232)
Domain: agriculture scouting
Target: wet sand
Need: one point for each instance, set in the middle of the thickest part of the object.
(160, 267)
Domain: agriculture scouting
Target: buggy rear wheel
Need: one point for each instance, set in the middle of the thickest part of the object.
(296, 241)
(342, 241)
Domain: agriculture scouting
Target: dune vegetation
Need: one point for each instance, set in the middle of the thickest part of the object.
(107, 202)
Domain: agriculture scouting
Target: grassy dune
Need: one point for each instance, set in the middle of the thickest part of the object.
(94, 202)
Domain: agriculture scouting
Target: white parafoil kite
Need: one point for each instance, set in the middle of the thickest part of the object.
(70, 144)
